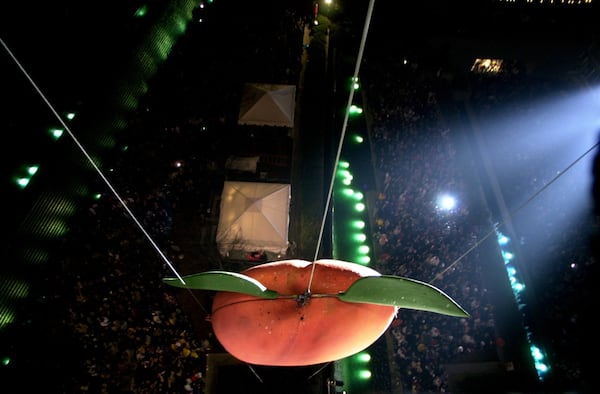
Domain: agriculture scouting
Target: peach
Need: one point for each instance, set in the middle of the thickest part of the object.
(296, 328)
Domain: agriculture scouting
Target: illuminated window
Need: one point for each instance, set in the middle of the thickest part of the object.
(487, 66)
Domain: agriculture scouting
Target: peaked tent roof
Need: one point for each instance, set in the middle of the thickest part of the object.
(253, 216)
(268, 105)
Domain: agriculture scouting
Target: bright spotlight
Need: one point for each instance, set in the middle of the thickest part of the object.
(446, 202)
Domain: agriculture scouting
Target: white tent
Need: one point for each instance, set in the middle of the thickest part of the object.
(268, 105)
(253, 216)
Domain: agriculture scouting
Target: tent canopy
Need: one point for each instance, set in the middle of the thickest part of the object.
(253, 216)
(267, 105)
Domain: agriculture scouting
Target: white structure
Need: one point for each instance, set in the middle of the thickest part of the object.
(268, 105)
(253, 216)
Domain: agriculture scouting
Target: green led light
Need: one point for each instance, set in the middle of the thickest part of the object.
(56, 133)
(364, 260)
(358, 196)
(344, 173)
(363, 357)
(140, 12)
(22, 182)
(360, 237)
(355, 109)
(358, 224)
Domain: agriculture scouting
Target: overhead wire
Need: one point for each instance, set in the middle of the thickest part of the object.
(91, 161)
(359, 58)
(515, 211)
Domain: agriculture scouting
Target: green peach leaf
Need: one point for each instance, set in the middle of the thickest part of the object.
(403, 293)
(222, 281)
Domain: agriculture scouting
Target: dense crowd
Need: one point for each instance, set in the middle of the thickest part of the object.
(133, 333)
(416, 162)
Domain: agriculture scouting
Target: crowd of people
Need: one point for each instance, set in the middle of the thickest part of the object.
(414, 236)
(133, 334)
(416, 160)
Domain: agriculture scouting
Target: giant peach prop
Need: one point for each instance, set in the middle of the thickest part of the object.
(266, 316)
